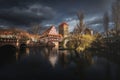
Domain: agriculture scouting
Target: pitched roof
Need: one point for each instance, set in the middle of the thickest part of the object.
(50, 31)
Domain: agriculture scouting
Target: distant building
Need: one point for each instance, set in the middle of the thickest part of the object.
(21, 36)
(10, 33)
(63, 29)
(88, 31)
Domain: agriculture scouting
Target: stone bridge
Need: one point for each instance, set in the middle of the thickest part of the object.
(65, 40)
(10, 41)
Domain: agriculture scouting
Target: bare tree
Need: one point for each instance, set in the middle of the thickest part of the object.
(35, 29)
(116, 15)
(80, 26)
(106, 23)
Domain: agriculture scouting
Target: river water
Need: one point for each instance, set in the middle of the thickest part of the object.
(53, 64)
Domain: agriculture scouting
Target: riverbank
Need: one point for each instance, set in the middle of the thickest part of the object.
(66, 49)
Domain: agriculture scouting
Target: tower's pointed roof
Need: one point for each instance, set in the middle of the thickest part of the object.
(63, 23)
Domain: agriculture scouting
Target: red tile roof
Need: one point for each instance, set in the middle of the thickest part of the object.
(62, 24)
(50, 31)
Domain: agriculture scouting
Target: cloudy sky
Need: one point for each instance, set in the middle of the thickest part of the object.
(25, 13)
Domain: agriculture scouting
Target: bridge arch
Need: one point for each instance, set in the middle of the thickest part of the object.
(8, 49)
(7, 54)
(9, 44)
(23, 46)
(64, 42)
(9, 41)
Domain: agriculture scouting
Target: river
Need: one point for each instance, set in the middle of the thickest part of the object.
(47, 64)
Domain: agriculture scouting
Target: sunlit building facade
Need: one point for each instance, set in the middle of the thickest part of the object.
(63, 29)
(51, 35)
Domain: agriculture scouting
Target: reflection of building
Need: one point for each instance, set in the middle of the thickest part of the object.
(63, 29)
(53, 59)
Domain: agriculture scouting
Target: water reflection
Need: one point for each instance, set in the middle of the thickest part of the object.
(10, 55)
(22, 53)
(7, 55)
(27, 51)
(51, 63)
(63, 59)
(53, 59)
(17, 55)
(51, 54)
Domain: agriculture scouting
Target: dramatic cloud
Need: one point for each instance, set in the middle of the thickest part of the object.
(26, 16)
(27, 12)
(95, 20)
